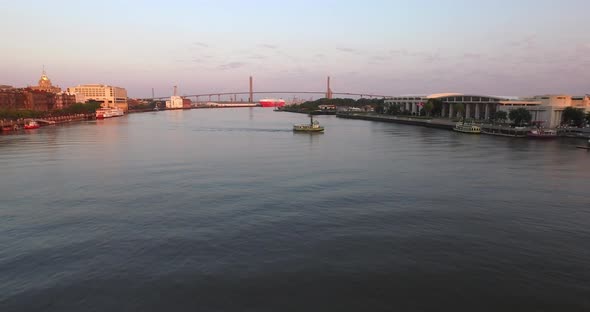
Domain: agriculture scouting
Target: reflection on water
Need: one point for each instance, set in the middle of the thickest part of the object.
(228, 209)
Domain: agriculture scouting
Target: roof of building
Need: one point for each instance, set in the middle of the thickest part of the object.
(446, 95)
(441, 95)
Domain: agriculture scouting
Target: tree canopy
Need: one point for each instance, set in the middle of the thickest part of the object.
(428, 107)
(573, 116)
(314, 105)
(520, 116)
(500, 116)
(77, 108)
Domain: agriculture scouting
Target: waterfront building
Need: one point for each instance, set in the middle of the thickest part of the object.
(327, 107)
(110, 96)
(64, 100)
(46, 85)
(12, 98)
(175, 102)
(39, 100)
(27, 99)
(178, 102)
(546, 109)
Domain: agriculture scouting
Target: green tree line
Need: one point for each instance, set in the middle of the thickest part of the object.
(339, 102)
(77, 108)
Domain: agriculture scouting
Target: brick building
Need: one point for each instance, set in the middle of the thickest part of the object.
(64, 100)
(29, 99)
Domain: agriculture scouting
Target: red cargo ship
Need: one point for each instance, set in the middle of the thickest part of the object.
(272, 103)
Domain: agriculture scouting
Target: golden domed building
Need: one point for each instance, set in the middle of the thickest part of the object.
(45, 84)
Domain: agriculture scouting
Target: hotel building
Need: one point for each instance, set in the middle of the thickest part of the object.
(110, 96)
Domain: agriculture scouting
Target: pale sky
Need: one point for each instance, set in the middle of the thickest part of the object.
(391, 47)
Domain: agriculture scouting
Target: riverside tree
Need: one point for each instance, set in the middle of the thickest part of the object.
(573, 116)
(520, 116)
(437, 106)
(500, 116)
(428, 107)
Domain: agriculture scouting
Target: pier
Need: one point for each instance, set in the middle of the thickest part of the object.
(429, 123)
(13, 125)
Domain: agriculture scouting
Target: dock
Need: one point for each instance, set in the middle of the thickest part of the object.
(429, 123)
(519, 132)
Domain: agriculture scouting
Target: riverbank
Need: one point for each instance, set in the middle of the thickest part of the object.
(577, 133)
(429, 123)
(307, 112)
(14, 125)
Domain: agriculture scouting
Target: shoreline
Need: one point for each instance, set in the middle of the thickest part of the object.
(429, 123)
(12, 126)
(449, 125)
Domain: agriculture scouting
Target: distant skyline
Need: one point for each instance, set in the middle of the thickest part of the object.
(390, 47)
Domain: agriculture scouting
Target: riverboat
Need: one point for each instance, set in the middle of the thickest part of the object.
(541, 133)
(518, 132)
(467, 127)
(103, 113)
(272, 103)
(313, 126)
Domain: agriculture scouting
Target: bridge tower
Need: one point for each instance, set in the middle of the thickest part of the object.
(251, 98)
(328, 90)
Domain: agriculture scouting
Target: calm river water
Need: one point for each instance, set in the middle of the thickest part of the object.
(229, 210)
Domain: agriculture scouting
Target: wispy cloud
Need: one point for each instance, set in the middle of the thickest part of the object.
(347, 50)
(380, 58)
(200, 44)
(268, 46)
(426, 56)
(258, 57)
(231, 65)
(526, 42)
(398, 52)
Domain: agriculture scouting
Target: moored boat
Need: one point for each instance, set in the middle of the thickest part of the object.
(467, 127)
(540, 133)
(31, 124)
(518, 132)
(272, 103)
(109, 112)
(117, 112)
(8, 128)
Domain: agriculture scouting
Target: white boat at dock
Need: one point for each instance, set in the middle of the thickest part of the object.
(109, 112)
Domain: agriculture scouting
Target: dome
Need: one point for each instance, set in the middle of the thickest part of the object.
(44, 81)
